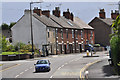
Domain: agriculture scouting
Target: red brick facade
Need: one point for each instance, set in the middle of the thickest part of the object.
(70, 40)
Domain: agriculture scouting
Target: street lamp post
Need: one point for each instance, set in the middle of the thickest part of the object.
(31, 28)
(31, 25)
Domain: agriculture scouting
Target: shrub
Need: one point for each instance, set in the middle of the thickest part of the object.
(4, 44)
(115, 49)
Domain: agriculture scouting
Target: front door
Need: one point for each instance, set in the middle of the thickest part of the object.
(64, 49)
(80, 47)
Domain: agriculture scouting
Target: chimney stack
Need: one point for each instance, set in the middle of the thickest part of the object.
(68, 15)
(46, 13)
(37, 11)
(114, 14)
(56, 12)
(102, 14)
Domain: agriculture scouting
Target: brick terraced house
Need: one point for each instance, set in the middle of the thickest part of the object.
(59, 34)
(102, 27)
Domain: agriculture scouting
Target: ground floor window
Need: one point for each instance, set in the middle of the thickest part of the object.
(62, 47)
(67, 45)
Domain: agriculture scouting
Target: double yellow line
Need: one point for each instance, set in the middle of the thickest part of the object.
(9, 67)
(85, 67)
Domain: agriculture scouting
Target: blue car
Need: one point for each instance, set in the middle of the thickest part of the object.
(42, 65)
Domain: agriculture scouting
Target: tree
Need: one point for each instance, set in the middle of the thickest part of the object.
(116, 26)
(4, 43)
(4, 26)
(12, 24)
(115, 44)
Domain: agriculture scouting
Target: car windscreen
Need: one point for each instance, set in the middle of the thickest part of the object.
(42, 62)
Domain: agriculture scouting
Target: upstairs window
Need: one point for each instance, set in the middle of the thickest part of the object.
(81, 34)
(76, 33)
(91, 34)
(56, 32)
(48, 33)
(67, 33)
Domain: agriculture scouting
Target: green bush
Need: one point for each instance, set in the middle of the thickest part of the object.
(4, 44)
(115, 50)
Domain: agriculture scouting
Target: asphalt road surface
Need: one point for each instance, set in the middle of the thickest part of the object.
(62, 66)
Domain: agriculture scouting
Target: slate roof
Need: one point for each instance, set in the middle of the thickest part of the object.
(81, 24)
(47, 21)
(70, 22)
(108, 21)
(61, 22)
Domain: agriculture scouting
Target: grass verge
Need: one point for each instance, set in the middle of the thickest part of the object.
(11, 53)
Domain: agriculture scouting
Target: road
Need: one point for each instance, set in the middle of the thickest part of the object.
(62, 66)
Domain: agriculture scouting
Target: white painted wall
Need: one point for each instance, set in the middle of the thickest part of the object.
(21, 31)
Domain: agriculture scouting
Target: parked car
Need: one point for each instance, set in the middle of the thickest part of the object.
(89, 47)
(42, 65)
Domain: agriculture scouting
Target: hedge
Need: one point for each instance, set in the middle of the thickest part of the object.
(11, 53)
(115, 52)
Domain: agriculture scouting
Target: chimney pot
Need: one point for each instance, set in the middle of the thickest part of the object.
(111, 11)
(56, 12)
(46, 13)
(37, 11)
(114, 14)
(68, 15)
(67, 10)
(102, 14)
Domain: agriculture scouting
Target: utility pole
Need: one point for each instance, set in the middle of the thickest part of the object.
(31, 25)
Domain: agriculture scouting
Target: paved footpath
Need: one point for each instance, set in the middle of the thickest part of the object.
(102, 70)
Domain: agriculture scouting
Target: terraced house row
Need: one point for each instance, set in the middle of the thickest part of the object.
(55, 34)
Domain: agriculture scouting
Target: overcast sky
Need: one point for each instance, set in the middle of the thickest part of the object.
(86, 11)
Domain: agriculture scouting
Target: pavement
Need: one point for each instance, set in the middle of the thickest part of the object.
(102, 70)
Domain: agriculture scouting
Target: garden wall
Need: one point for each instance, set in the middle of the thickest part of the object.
(15, 57)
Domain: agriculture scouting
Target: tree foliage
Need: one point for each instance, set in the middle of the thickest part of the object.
(116, 26)
(5, 26)
(115, 44)
(4, 43)
(12, 24)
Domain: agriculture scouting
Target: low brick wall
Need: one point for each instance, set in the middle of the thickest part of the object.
(15, 57)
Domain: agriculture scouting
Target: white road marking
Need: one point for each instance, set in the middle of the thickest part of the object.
(16, 76)
(26, 70)
(76, 59)
(55, 56)
(62, 66)
(59, 68)
(21, 72)
(51, 76)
